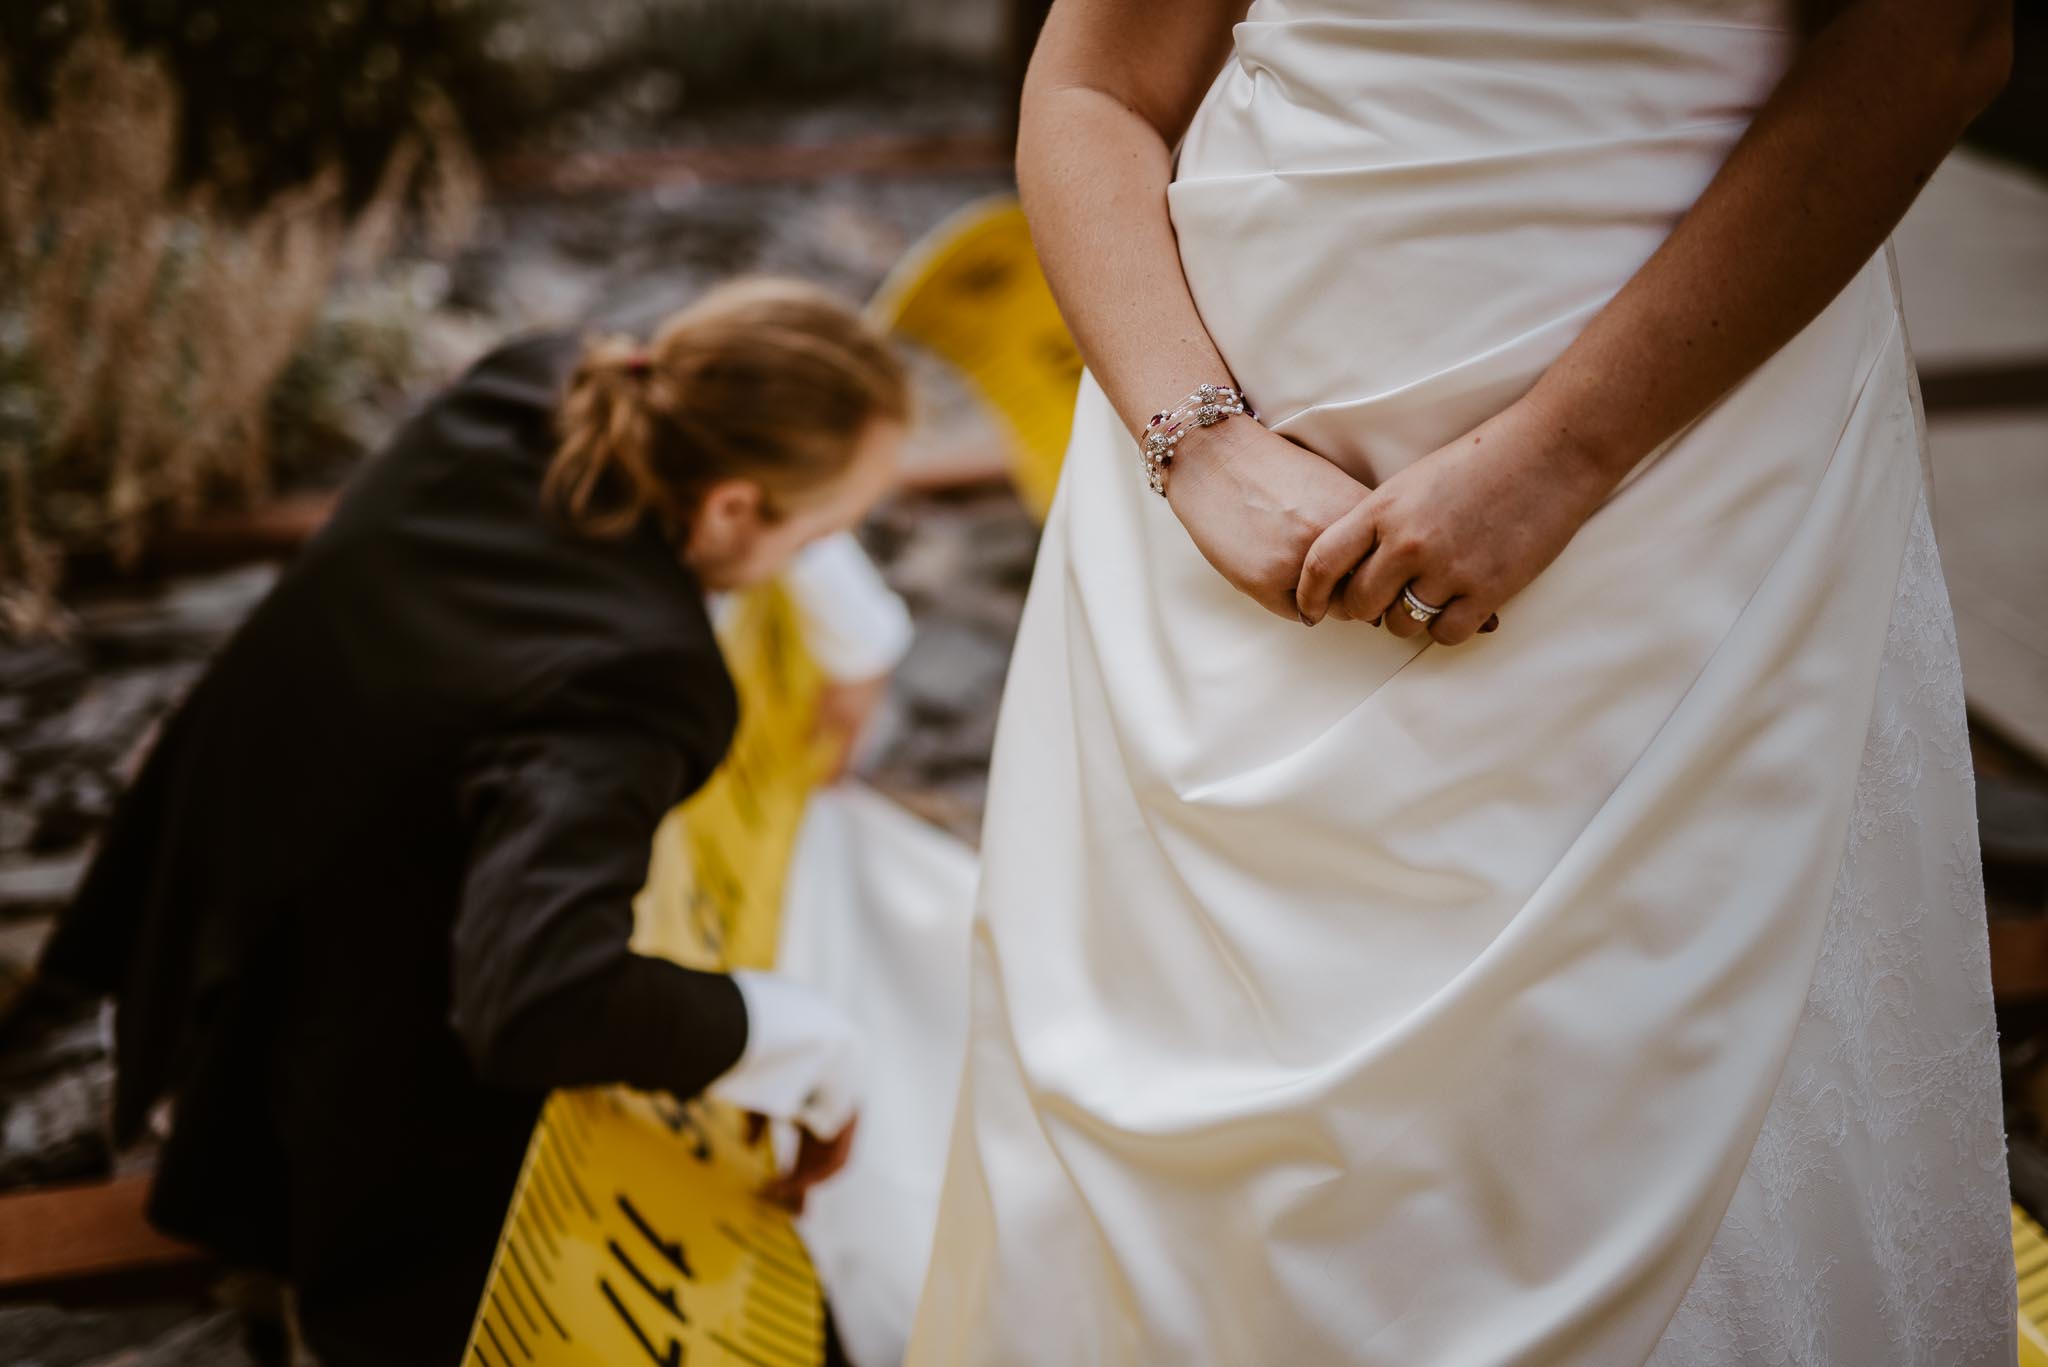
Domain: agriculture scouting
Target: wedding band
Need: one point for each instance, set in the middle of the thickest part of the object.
(1419, 610)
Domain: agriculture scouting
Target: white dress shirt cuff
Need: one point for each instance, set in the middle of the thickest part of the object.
(854, 624)
(802, 1062)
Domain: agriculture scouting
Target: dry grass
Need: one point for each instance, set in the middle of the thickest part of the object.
(141, 328)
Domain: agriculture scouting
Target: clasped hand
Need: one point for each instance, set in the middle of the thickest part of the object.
(1464, 529)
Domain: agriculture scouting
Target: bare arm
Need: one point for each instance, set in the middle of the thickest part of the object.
(1112, 87)
(1823, 175)
(1824, 172)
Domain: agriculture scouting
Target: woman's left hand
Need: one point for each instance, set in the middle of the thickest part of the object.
(1464, 529)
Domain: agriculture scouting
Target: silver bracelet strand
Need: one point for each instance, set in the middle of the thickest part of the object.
(1208, 405)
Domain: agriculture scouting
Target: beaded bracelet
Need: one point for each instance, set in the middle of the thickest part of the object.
(1207, 406)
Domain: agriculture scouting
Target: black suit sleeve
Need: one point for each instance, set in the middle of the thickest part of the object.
(562, 805)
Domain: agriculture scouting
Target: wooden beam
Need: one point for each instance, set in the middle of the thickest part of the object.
(583, 173)
(60, 1233)
(2017, 384)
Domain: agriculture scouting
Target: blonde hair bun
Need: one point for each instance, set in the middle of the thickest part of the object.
(763, 378)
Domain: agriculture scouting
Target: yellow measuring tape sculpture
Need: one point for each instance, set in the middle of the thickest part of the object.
(2030, 1261)
(971, 293)
(634, 1234)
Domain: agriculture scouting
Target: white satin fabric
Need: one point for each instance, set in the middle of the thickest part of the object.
(875, 918)
(1340, 999)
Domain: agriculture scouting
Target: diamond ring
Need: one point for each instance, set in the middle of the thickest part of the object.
(1419, 610)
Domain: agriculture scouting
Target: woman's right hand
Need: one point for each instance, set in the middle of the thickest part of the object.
(1254, 502)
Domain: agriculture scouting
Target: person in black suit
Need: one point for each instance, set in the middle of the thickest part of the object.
(369, 899)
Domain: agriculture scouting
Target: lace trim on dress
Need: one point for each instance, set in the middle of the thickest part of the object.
(1871, 1223)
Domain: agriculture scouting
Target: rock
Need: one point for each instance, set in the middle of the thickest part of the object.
(17, 824)
(186, 618)
(72, 814)
(57, 1130)
(216, 1340)
(47, 1336)
(111, 714)
(66, 1033)
(214, 604)
(953, 669)
(929, 566)
(39, 886)
(859, 240)
(545, 292)
(30, 669)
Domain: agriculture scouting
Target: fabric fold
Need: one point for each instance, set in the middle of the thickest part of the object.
(1340, 999)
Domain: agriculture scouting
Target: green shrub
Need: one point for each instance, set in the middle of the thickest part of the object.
(276, 92)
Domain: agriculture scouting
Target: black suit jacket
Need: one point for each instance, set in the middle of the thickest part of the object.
(371, 895)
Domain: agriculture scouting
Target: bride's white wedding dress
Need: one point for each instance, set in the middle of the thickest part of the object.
(1609, 989)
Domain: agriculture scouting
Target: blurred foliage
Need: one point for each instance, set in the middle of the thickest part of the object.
(668, 55)
(276, 92)
(359, 363)
(184, 181)
(143, 328)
